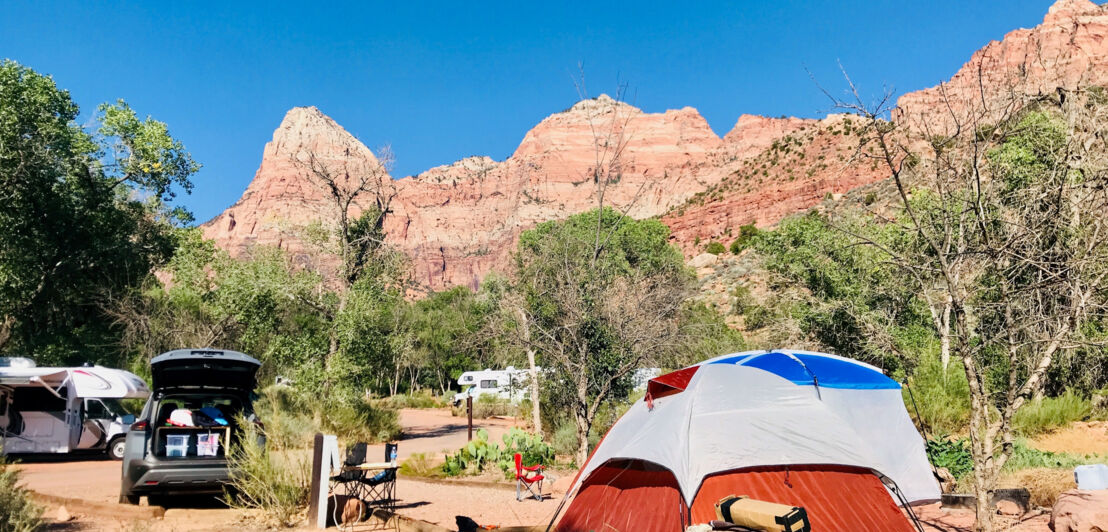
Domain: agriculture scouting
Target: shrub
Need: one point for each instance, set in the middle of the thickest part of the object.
(357, 420)
(564, 439)
(486, 406)
(417, 400)
(276, 485)
(291, 419)
(1050, 413)
(954, 455)
(941, 398)
(17, 512)
(289, 423)
(743, 301)
(481, 455)
(715, 248)
(1026, 457)
(420, 465)
(746, 234)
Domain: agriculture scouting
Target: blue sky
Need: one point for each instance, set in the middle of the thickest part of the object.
(442, 81)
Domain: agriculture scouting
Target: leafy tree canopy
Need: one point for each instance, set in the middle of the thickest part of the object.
(83, 213)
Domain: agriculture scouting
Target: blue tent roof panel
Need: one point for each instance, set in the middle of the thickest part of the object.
(806, 369)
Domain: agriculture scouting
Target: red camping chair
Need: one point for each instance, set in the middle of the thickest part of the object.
(533, 483)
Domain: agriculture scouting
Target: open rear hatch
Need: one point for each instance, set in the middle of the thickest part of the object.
(204, 369)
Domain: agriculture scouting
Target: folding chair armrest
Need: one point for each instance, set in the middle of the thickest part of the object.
(536, 467)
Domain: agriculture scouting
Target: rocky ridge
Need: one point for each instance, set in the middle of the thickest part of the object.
(460, 221)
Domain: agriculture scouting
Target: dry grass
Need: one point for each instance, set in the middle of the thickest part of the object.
(1045, 484)
(421, 465)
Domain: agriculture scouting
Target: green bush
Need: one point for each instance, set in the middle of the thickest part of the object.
(481, 455)
(941, 398)
(1050, 413)
(261, 480)
(17, 512)
(746, 234)
(1024, 457)
(564, 439)
(715, 248)
(954, 455)
(743, 301)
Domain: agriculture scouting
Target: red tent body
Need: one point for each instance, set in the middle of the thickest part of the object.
(633, 495)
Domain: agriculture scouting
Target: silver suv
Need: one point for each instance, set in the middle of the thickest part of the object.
(179, 442)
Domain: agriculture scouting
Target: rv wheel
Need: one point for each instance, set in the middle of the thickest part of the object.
(116, 448)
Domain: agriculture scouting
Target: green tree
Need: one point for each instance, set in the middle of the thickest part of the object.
(602, 295)
(1008, 216)
(84, 215)
(262, 305)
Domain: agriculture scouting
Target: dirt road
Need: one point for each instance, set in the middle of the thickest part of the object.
(431, 432)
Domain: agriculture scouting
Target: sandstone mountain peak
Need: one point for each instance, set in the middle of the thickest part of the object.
(1068, 9)
(460, 221)
(1069, 50)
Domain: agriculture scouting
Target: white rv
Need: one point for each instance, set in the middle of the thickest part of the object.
(508, 383)
(60, 410)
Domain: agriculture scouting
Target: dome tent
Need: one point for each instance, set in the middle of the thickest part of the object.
(793, 427)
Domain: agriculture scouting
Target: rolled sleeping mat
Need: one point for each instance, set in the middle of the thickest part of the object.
(762, 515)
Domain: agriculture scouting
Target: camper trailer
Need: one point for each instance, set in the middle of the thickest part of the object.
(508, 383)
(62, 410)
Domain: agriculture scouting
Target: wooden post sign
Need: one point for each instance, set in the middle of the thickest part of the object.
(325, 461)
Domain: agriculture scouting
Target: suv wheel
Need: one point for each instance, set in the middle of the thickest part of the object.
(127, 498)
(116, 447)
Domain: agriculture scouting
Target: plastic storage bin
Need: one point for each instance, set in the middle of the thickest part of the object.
(176, 444)
(1091, 477)
(207, 444)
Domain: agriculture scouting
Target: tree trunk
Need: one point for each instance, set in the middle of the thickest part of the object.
(582, 435)
(536, 417)
(984, 508)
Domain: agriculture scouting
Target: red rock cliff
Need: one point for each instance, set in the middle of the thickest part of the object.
(459, 222)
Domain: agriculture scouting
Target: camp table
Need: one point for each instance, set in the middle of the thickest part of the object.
(371, 466)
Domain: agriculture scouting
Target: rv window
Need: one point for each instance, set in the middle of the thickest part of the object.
(488, 384)
(3, 404)
(37, 399)
(94, 409)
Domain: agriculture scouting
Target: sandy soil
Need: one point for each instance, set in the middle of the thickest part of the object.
(432, 432)
(1083, 437)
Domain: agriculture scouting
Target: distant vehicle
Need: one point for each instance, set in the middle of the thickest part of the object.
(179, 443)
(508, 383)
(642, 376)
(62, 410)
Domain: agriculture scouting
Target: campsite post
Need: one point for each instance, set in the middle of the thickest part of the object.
(469, 415)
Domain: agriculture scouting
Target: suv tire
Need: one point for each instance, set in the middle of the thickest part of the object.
(127, 498)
